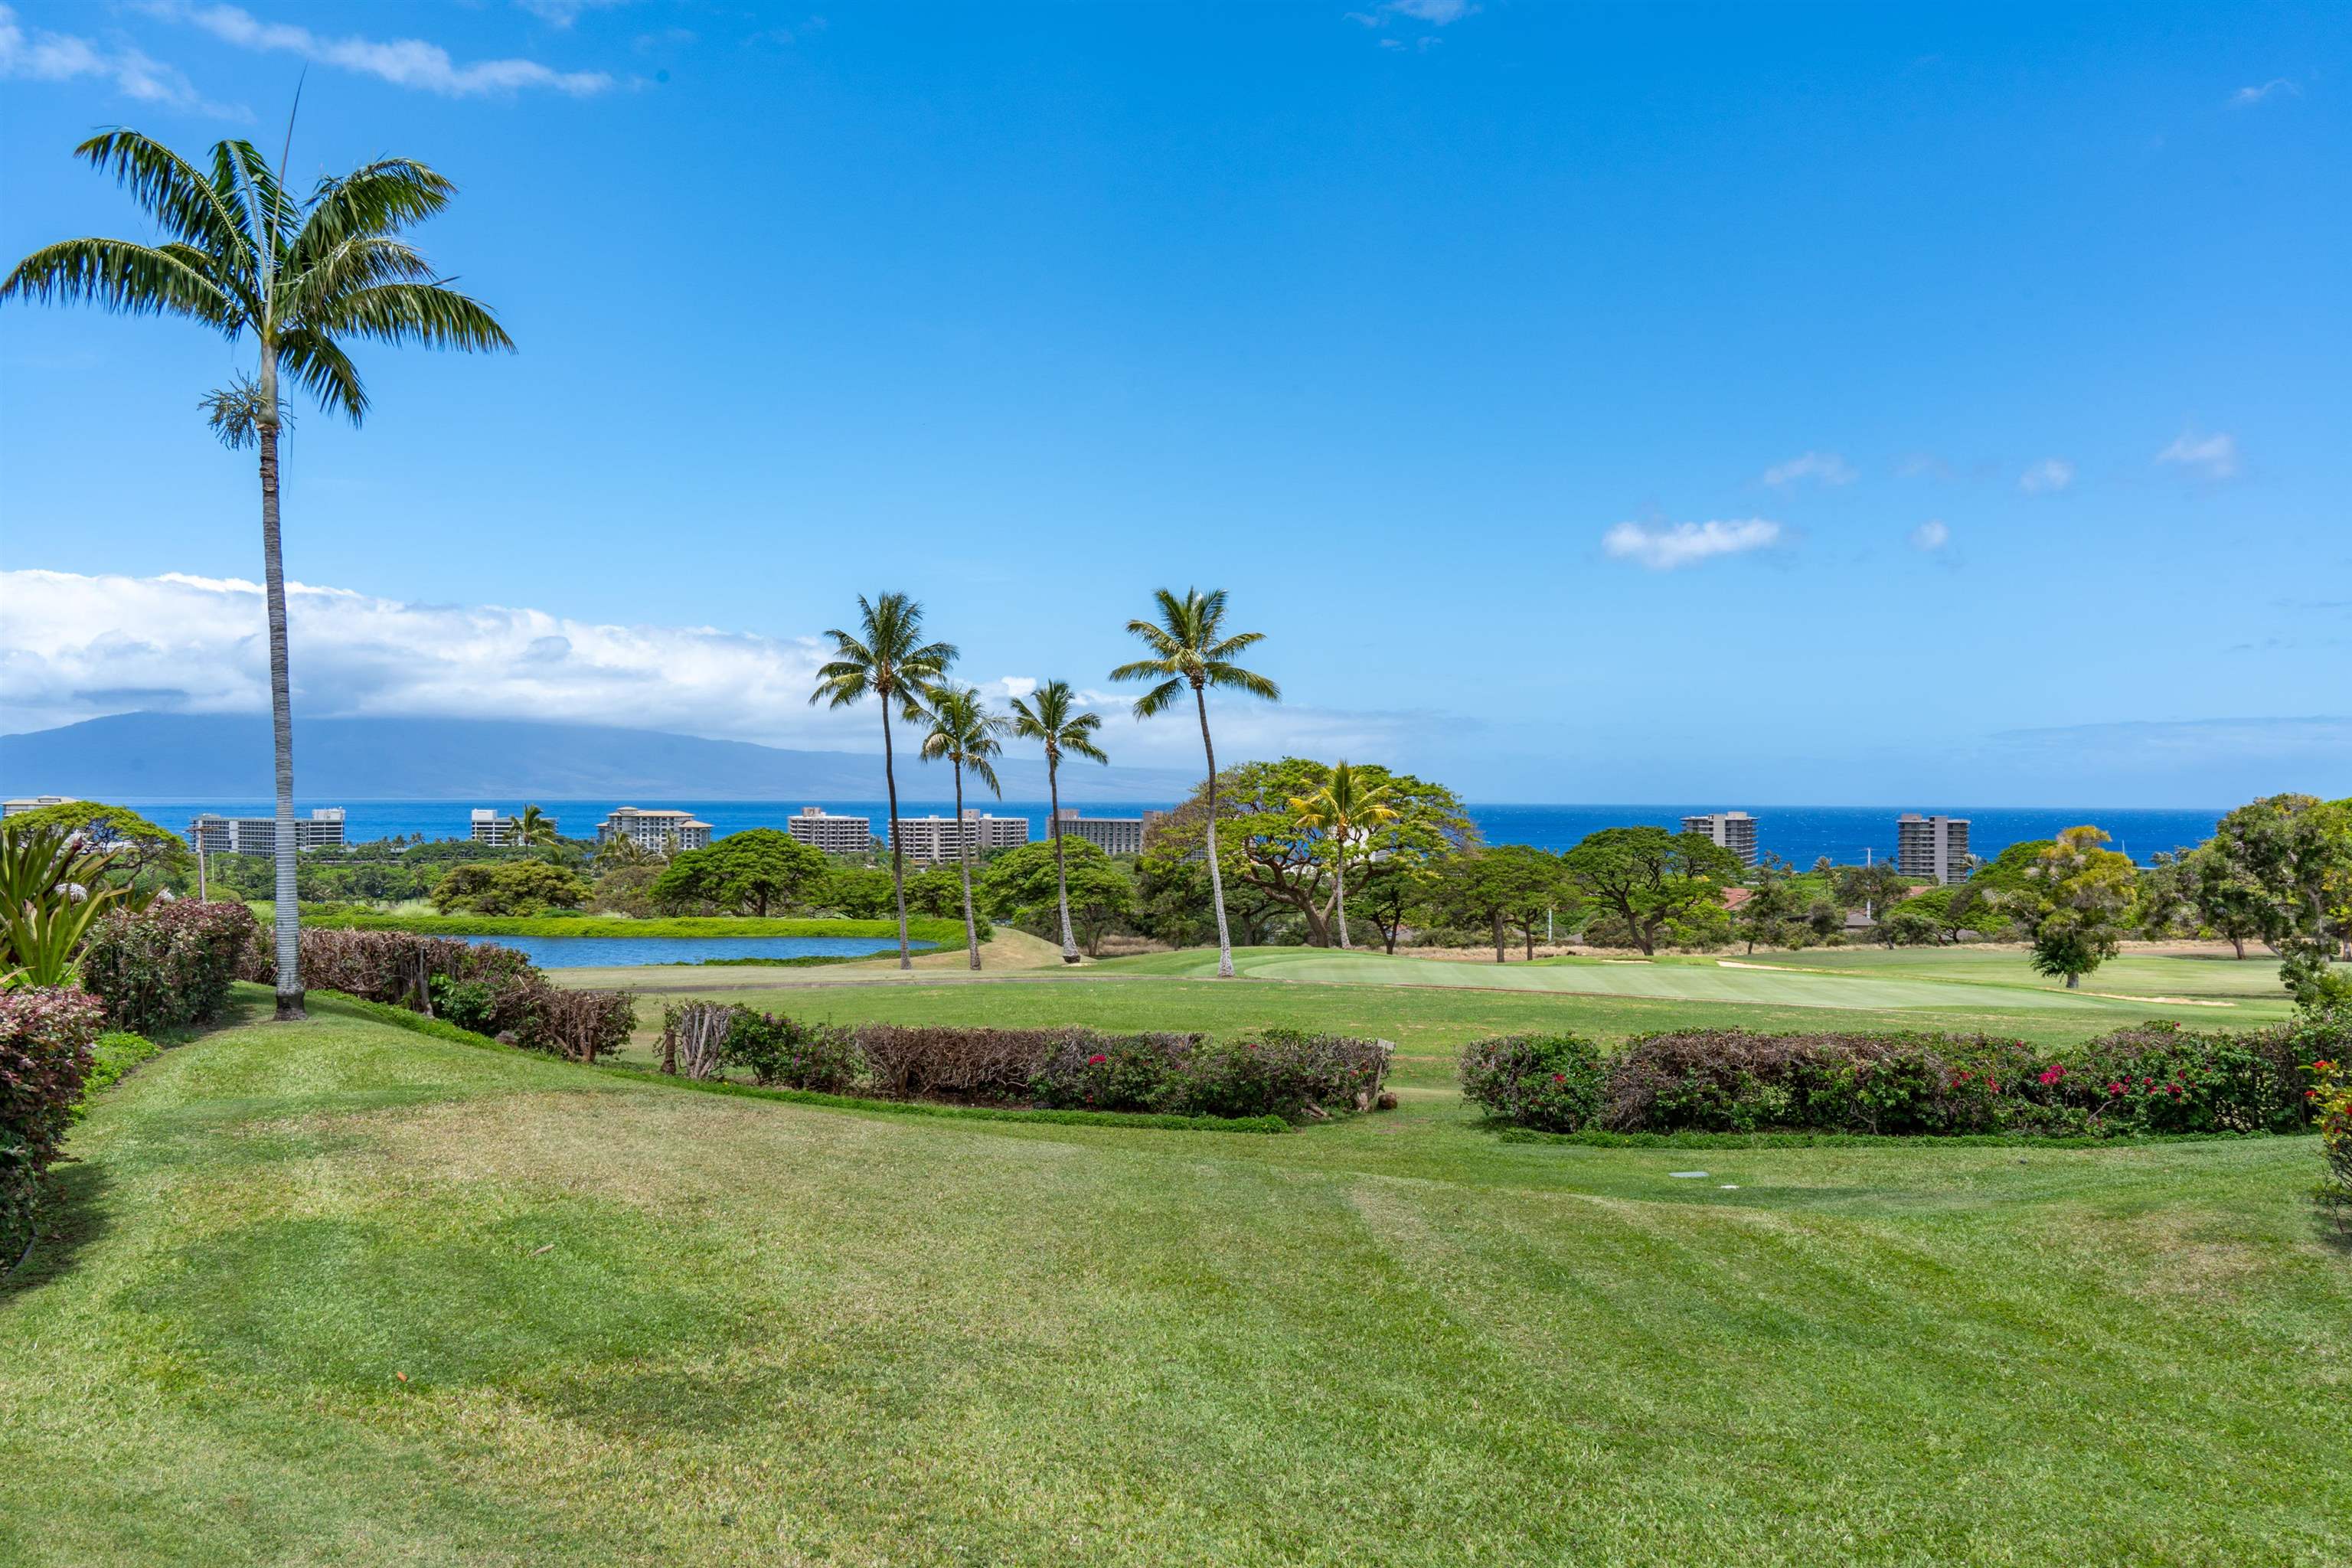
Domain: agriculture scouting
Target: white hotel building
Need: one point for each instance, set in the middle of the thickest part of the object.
(217, 835)
(820, 829)
(937, 839)
(1112, 835)
(663, 832)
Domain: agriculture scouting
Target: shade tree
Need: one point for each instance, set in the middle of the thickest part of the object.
(1648, 878)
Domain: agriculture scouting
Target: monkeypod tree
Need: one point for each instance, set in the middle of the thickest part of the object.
(748, 872)
(1506, 887)
(1649, 877)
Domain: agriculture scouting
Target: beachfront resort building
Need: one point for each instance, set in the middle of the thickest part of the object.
(1112, 835)
(498, 828)
(1734, 830)
(936, 838)
(1935, 846)
(663, 832)
(821, 829)
(34, 803)
(216, 835)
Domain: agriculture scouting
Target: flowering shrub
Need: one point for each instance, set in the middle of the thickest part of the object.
(578, 1026)
(1087, 1071)
(170, 964)
(1551, 1082)
(45, 1051)
(2331, 1105)
(783, 1052)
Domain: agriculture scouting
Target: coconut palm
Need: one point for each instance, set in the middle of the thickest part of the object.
(889, 661)
(1047, 714)
(965, 733)
(307, 277)
(534, 826)
(1345, 807)
(1190, 649)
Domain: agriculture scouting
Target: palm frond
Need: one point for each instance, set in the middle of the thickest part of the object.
(1234, 677)
(324, 371)
(358, 262)
(122, 276)
(243, 178)
(1158, 700)
(423, 314)
(984, 771)
(189, 207)
(379, 198)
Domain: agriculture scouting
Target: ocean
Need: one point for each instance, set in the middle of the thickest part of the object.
(1801, 834)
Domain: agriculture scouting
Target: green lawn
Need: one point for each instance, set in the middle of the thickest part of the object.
(642, 1325)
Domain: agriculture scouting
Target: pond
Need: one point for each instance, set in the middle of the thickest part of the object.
(612, 952)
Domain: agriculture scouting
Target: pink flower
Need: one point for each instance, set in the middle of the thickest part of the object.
(2053, 1075)
(1097, 1060)
(2114, 1089)
(1993, 1086)
(1560, 1077)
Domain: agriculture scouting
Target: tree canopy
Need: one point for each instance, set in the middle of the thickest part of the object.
(1648, 877)
(1506, 887)
(2085, 894)
(744, 873)
(1021, 886)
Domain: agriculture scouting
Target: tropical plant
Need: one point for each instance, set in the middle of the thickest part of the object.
(2084, 895)
(1191, 648)
(54, 892)
(743, 873)
(1346, 809)
(534, 826)
(1649, 877)
(305, 277)
(964, 732)
(890, 661)
(1049, 715)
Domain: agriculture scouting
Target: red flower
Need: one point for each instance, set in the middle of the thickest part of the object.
(1964, 1078)
(1097, 1060)
(2053, 1075)
(2172, 1089)
(1560, 1077)
(2114, 1089)
(1993, 1086)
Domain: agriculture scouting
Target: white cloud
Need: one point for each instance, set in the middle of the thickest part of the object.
(75, 646)
(2046, 477)
(1931, 535)
(2277, 87)
(1434, 13)
(404, 62)
(2215, 456)
(1662, 548)
(563, 13)
(1826, 466)
(42, 55)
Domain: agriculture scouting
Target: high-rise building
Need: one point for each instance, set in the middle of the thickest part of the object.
(34, 803)
(1734, 830)
(1935, 846)
(497, 827)
(663, 831)
(820, 829)
(217, 835)
(935, 838)
(1112, 835)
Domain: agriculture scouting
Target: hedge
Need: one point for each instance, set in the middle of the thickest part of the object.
(170, 964)
(46, 1036)
(2155, 1078)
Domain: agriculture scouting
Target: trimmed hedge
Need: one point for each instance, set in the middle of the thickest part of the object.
(1551, 1082)
(46, 1036)
(170, 964)
(2154, 1079)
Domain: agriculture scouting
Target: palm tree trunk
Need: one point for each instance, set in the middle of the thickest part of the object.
(1216, 878)
(1340, 888)
(964, 864)
(897, 859)
(286, 914)
(1061, 859)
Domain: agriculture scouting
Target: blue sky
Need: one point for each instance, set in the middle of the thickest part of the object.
(1817, 404)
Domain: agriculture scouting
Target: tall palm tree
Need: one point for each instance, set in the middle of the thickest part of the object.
(1048, 714)
(887, 660)
(534, 826)
(1345, 806)
(965, 733)
(1190, 648)
(305, 277)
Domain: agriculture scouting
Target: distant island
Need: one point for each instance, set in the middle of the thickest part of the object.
(227, 757)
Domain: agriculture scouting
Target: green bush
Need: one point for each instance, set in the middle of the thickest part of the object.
(170, 964)
(1551, 1082)
(785, 1053)
(1087, 1071)
(46, 1035)
(469, 1003)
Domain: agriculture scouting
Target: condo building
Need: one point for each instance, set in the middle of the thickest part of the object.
(663, 832)
(938, 839)
(34, 803)
(820, 829)
(216, 835)
(1734, 830)
(1112, 835)
(1935, 846)
(497, 827)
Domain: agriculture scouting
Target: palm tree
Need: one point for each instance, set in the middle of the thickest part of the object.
(965, 733)
(1344, 807)
(1045, 714)
(305, 277)
(1189, 647)
(886, 661)
(534, 826)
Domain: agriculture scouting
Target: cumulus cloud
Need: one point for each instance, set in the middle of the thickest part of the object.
(2047, 477)
(404, 62)
(2277, 87)
(563, 13)
(1434, 13)
(1827, 467)
(2214, 457)
(1662, 548)
(75, 646)
(38, 54)
(1931, 535)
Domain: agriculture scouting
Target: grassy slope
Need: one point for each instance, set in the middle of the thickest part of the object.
(641, 1325)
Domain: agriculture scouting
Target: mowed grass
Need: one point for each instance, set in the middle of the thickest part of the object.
(642, 1325)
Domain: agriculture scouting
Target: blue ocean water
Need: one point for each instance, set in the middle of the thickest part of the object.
(1801, 834)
